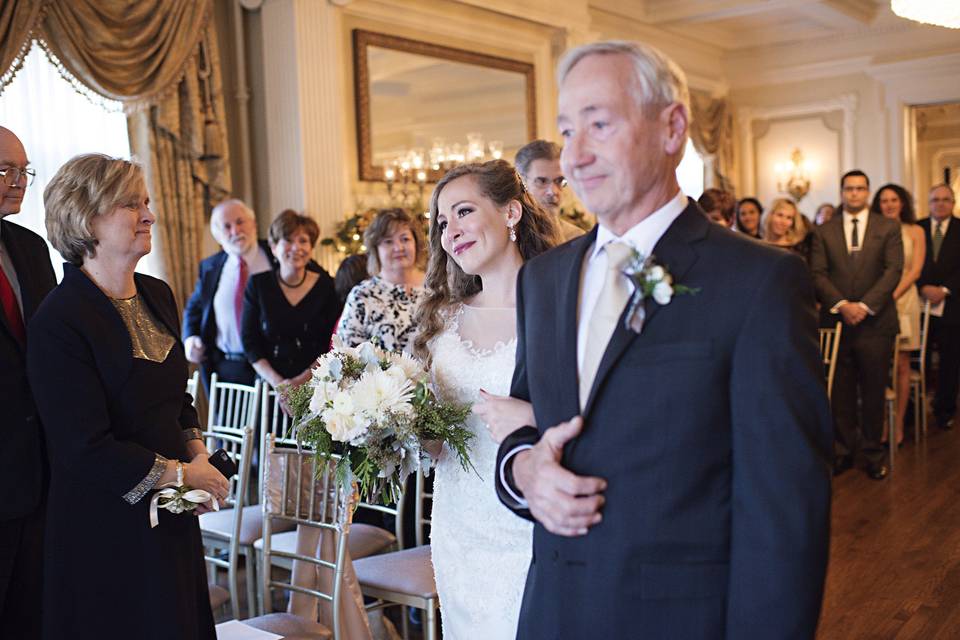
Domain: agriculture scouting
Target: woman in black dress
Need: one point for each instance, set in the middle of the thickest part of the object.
(108, 372)
(289, 313)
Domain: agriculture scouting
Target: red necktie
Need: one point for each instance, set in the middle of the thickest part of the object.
(238, 294)
(11, 309)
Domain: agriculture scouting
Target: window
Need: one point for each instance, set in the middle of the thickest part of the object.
(55, 123)
(690, 172)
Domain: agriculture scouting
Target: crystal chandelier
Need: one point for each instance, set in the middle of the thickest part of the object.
(943, 13)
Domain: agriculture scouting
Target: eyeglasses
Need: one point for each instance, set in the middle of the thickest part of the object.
(541, 182)
(939, 200)
(11, 176)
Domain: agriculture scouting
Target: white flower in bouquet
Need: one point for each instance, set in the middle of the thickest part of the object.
(323, 393)
(378, 393)
(412, 368)
(341, 421)
(662, 293)
(656, 273)
(370, 356)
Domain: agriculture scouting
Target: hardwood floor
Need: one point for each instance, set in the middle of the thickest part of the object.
(895, 548)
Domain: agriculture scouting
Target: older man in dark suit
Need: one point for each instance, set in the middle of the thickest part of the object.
(939, 283)
(26, 277)
(690, 496)
(856, 260)
(211, 319)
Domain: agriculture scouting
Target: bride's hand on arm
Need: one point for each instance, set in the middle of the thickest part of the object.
(503, 415)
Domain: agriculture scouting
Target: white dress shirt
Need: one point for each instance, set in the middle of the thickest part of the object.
(228, 333)
(862, 216)
(643, 237)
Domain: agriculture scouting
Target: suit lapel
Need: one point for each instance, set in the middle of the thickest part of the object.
(568, 320)
(23, 278)
(676, 253)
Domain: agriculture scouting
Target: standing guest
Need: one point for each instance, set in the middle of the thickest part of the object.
(824, 214)
(784, 226)
(289, 313)
(856, 261)
(381, 308)
(26, 277)
(212, 317)
(538, 163)
(939, 283)
(747, 218)
(719, 206)
(108, 370)
(895, 202)
(677, 473)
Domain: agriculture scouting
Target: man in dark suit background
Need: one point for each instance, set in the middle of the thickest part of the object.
(690, 497)
(940, 284)
(26, 277)
(856, 260)
(211, 319)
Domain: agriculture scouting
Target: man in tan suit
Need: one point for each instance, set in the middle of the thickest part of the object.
(538, 163)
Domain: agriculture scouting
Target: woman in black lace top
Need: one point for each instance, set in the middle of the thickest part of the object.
(289, 312)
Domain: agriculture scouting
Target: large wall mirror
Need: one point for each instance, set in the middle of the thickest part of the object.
(432, 105)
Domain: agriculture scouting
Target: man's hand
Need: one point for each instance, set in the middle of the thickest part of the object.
(195, 351)
(565, 503)
(853, 313)
(933, 293)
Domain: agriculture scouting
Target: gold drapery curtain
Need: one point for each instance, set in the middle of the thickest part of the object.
(712, 134)
(160, 59)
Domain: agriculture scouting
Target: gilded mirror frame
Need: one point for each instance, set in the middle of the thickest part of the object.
(361, 75)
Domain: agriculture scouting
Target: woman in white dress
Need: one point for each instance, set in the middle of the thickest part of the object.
(895, 202)
(483, 226)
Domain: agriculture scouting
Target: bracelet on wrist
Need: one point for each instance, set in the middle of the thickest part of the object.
(179, 473)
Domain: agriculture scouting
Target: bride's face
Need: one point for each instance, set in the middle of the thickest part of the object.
(473, 230)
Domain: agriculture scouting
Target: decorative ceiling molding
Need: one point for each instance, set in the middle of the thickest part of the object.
(742, 78)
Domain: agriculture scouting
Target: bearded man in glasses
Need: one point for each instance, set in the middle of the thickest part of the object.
(538, 163)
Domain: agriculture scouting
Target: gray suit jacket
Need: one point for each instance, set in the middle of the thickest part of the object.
(870, 277)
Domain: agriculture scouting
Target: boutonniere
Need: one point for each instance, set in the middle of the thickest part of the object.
(649, 279)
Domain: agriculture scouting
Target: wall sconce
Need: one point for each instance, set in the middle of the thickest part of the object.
(794, 177)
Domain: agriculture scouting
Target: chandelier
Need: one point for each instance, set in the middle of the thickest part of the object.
(794, 177)
(942, 13)
(419, 166)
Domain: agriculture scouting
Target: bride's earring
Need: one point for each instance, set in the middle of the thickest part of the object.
(513, 233)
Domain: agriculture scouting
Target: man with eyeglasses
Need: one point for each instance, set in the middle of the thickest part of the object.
(856, 259)
(26, 277)
(939, 283)
(539, 165)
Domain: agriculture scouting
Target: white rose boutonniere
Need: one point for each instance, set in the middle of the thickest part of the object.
(649, 280)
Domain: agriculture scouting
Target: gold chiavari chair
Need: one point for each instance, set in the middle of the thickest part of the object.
(193, 387)
(829, 346)
(891, 399)
(918, 376)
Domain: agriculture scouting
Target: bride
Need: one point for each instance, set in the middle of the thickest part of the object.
(483, 226)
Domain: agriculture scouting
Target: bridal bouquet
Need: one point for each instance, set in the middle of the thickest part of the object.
(375, 409)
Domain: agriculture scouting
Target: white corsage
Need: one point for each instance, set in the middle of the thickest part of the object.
(177, 500)
(649, 280)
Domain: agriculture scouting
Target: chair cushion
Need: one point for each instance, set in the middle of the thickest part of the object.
(364, 540)
(218, 596)
(289, 626)
(409, 571)
(220, 524)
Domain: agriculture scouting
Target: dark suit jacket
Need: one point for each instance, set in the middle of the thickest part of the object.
(21, 454)
(198, 316)
(870, 278)
(713, 432)
(945, 270)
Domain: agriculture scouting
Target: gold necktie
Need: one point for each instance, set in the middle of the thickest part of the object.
(607, 311)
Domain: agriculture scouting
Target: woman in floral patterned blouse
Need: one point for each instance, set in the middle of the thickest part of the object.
(380, 309)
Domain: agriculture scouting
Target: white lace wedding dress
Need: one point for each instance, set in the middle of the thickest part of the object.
(481, 551)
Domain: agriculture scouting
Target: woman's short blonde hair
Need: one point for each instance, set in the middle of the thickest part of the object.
(87, 186)
(386, 222)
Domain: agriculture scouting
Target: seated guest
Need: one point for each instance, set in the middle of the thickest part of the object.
(211, 319)
(824, 213)
(289, 312)
(783, 227)
(747, 218)
(351, 272)
(380, 309)
(895, 202)
(538, 163)
(108, 371)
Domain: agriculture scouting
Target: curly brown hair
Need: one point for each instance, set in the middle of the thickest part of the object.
(446, 283)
